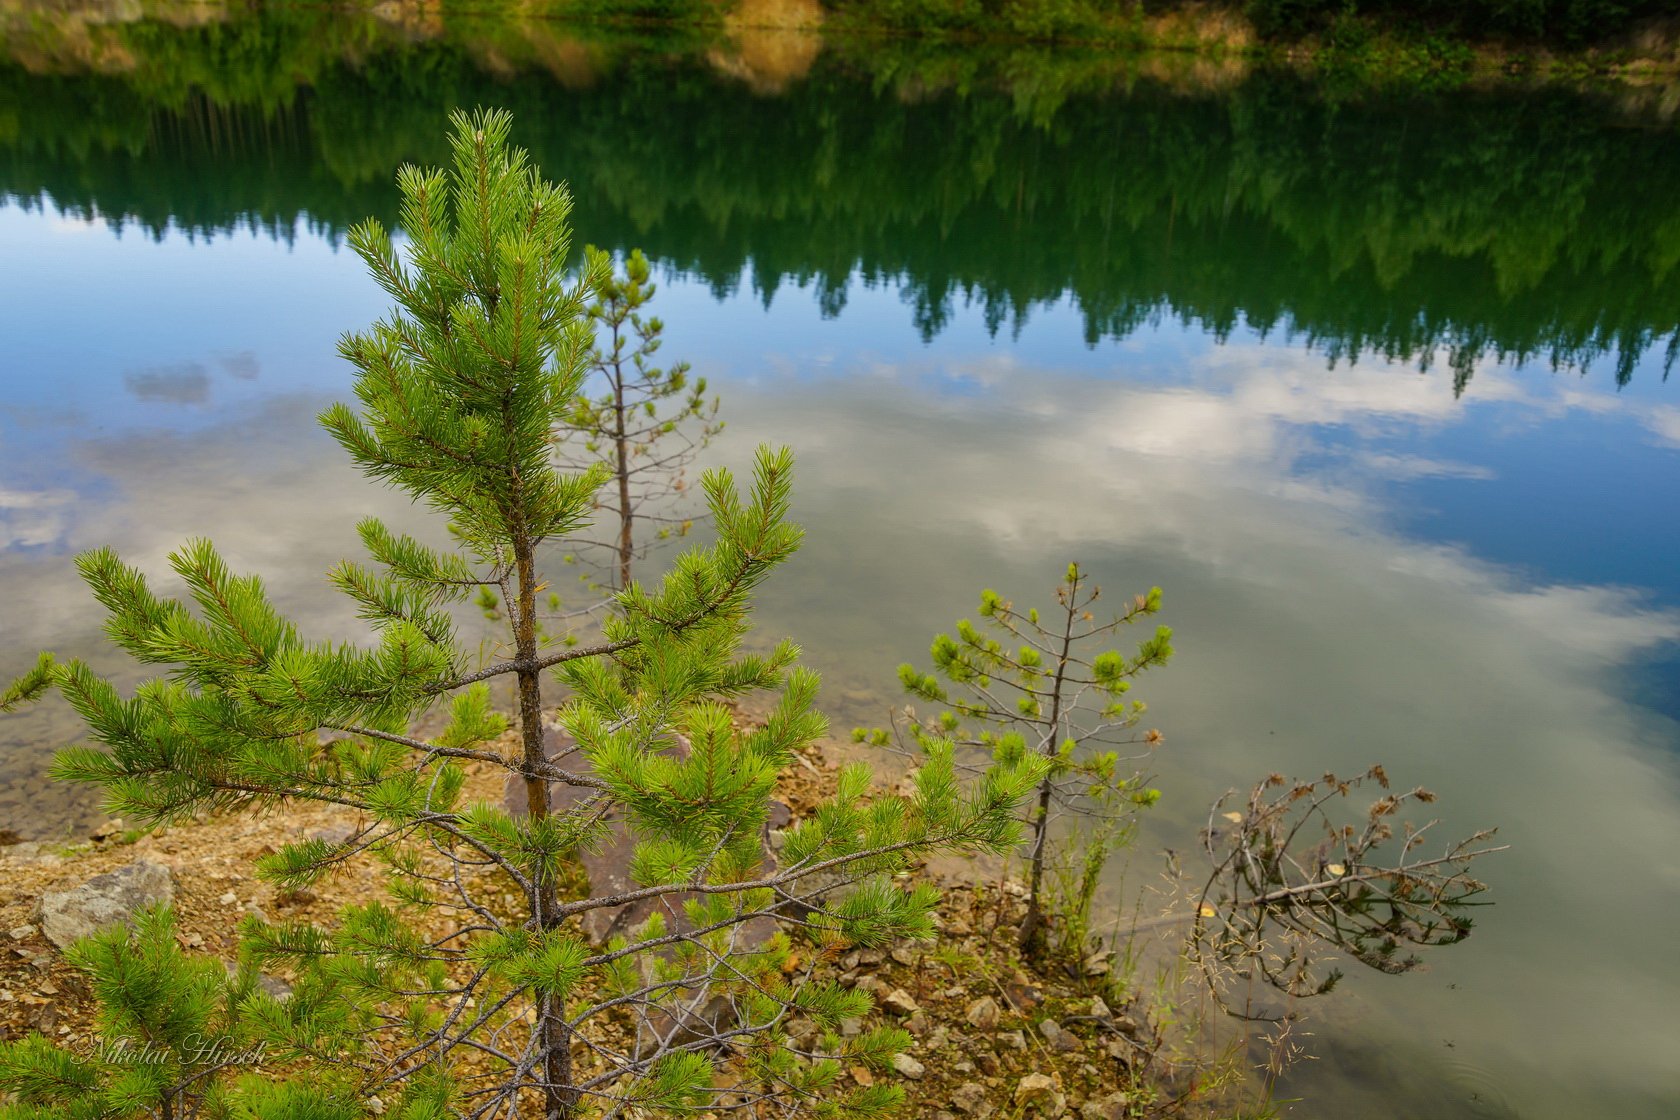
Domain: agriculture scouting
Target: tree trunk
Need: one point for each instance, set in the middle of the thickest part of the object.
(1032, 942)
(560, 1097)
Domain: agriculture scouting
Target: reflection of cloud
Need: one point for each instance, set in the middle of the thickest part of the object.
(1664, 422)
(186, 383)
(1299, 611)
(242, 365)
(1406, 467)
(31, 518)
(272, 490)
(42, 416)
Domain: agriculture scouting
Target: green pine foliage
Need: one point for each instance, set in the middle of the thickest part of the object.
(646, 424)
(1025, 685)
(471, 989)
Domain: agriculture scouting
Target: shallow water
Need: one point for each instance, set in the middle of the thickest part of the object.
(1374, 385)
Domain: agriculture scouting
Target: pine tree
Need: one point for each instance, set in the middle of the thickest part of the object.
(471, 991)
(1041, 691)
(645, 423)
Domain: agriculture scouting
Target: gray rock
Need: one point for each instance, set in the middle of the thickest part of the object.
(909, 1067)
(1057, 1037)
(104, 900)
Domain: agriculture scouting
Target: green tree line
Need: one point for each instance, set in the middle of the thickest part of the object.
(1410, 224)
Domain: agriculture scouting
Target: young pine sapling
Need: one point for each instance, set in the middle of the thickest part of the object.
(645, 423)
(472, 991)
(1027, 684)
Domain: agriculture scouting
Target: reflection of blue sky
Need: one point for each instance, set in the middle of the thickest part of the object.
(91, 309)
(1360, 566)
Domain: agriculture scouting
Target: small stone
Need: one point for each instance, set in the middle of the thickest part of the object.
(1037, 1090)
(862, 1076)
(874, 985)
(938, 1039)
(228, 898)
(982, 1013)
(909, 1067)
(1057, 1037)
(107, 828)
(849, 961)
(851, 1028)
(987, 1059)
(904, 956)
(1099, 1009)
(1014, 1040)
(969, 1098)
(1098, 964)
(1033, 1088)
(918, 1024)
(376, 1106)
(870, 956)
(21, 933)
(898, 1001)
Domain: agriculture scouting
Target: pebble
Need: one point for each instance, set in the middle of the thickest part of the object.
(909, 1067)
(982, 1013)
(1057, 1037)
(898, 1001)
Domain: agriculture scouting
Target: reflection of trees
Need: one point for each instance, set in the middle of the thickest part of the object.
(1434, 228)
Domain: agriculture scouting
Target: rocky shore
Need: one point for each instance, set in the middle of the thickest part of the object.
(991, 1035)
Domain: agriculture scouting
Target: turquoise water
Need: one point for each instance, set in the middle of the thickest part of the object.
(1375, 385)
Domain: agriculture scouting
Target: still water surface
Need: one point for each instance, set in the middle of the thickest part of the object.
(1375, 385)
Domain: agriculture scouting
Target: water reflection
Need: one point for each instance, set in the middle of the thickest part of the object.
(1444, 555)
(1436, 228)
(1311, 637)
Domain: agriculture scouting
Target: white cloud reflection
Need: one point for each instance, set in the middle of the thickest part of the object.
(1313, 635)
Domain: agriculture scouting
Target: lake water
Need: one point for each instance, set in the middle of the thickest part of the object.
(1374, 383)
